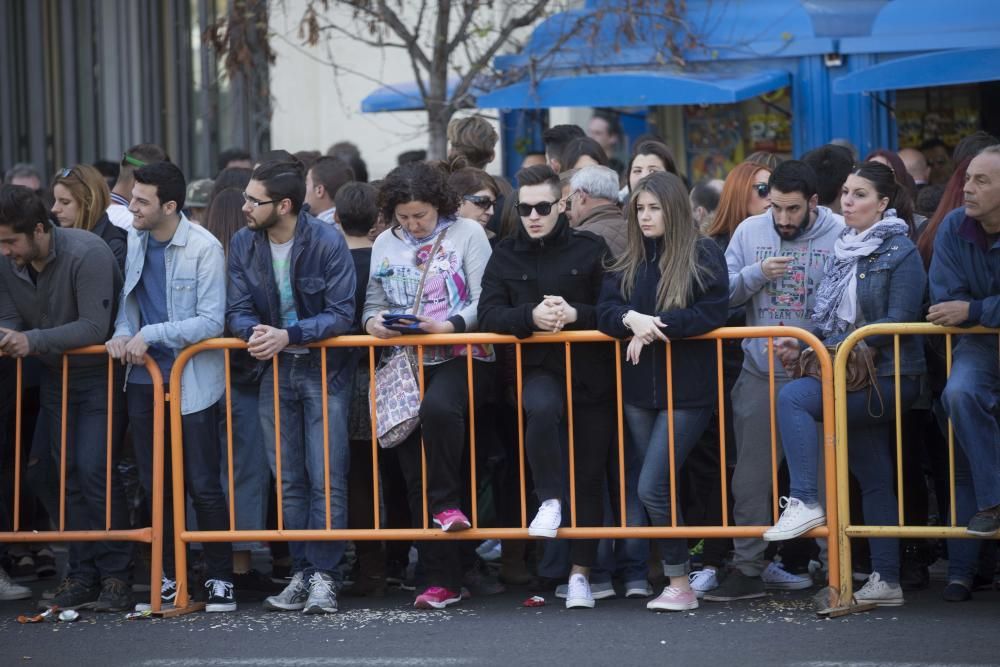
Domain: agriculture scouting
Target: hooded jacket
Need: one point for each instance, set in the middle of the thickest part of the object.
(789, 300)
(693, 362)
(522, 272)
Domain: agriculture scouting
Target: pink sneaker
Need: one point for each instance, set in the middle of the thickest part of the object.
(673, 599)
(452, 520)
(436, 597)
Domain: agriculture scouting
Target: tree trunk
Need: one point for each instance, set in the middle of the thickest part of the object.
(437, 126)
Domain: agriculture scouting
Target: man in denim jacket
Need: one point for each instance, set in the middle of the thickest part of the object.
(965, 290)
(174, 296)
(292, 282)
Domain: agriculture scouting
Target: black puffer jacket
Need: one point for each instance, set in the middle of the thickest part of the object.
(522, 272)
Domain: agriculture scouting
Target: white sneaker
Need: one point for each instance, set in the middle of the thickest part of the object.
(778, 578)
(293, 598)
(704, 580)
(578, 594)
(548, 519)
(796, 519)
(602, 590)
(882, 593)
(10, 590)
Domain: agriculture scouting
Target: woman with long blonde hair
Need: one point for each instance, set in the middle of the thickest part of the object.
(81, 200)
(671, 283)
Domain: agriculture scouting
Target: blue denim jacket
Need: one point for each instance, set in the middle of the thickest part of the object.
(196, 307)
(891, 287)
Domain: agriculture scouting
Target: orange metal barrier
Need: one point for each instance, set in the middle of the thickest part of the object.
(152, 535)
(844, 527)
(183, 536)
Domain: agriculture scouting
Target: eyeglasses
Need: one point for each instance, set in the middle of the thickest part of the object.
(481, 201)
(256, 203)
(543, 208)
(763, 189)
(134, 161)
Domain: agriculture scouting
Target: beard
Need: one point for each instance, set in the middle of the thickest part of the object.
(791, 233)
(265, 224)
(31, 255)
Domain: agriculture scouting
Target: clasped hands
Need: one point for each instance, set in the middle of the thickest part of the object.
(553, 313)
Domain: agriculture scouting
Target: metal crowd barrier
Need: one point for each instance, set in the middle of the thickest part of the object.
(846, 529)
(152, 534)
(183, 536)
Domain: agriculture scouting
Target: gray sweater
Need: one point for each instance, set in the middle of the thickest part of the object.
(73, 302)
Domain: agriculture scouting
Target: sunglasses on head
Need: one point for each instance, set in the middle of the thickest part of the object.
(481, 201)
(543, 208)
(63, 173)
(134, 161)
(763, 189)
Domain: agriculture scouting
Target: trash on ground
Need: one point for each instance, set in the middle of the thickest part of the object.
(534, 601)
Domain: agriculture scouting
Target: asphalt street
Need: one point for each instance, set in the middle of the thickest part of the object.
(781, 629)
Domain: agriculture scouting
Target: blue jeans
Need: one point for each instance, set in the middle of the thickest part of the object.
(649, 429)
(632, 554)
(251, 477)
(870, 457)
(86, 459)
(302, 467)
(971, 399)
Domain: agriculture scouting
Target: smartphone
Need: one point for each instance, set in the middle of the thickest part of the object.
(402, 322)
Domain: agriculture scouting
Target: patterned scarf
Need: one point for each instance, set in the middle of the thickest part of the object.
(836, 308)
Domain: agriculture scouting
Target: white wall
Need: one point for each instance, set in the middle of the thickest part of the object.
(315, 107)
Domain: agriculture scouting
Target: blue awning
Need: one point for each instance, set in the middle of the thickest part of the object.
(630, 88)
(943, 68)
(405, 97)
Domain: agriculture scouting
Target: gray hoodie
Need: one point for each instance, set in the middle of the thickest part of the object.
(789, 300)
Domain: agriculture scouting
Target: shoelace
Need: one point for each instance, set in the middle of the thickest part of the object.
(696, 577)
(219, 588)
(318, 581)
(167, 584)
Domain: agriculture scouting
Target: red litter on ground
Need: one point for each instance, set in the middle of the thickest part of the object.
(534, 601)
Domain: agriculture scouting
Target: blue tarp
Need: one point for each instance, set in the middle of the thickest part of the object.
(404, 97)
(635, 89)
(943, 68)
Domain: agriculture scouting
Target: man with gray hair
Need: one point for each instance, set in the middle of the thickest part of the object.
(24, 174)
(592, 197)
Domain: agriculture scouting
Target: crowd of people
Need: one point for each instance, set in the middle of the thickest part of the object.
(288, 250)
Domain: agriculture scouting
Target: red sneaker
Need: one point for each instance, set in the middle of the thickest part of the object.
(452, 520)
(436, 597)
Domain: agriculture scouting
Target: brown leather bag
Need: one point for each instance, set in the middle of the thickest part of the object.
(861, 372)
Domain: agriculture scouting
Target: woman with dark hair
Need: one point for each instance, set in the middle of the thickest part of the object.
(478, 192)
(230, 177)
(905, 181)
(428, 237)
(953, 197)
(671, 283)
(744, 194)
(583, 152)
(876, 277)
(648, 157)
(81, 200)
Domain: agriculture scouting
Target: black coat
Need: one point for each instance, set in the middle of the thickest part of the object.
(521, 272)
(694, 362)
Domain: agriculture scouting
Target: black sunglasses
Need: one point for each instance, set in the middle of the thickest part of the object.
(763, 189)
(543, 208)
(482, 201)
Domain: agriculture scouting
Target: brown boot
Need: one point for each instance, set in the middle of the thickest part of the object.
(513, 571)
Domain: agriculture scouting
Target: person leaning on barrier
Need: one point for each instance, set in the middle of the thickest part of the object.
(174, 296)
(876, 277)
(291, 282)
(670, 284)
(775, 261)
(417, 198)
(548, 278)
(965, 290)
(58, 291)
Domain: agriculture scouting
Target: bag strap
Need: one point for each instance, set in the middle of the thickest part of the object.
(427, 267)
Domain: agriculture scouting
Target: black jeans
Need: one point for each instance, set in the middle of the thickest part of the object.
(86, 462)
(544, 398)
(201, 476)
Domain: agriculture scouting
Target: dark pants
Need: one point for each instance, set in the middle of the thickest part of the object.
(86, 466)
(201, 476)
(545, 407)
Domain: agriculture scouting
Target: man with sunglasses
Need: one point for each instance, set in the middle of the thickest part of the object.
(174, 296)
(776, 260)
(548, 277)
(292, 282)
(135, 157)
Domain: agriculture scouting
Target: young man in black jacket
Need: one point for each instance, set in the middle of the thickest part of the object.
(548, 278)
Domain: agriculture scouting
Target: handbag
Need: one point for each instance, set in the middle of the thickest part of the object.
(397, 390)
(860, 372)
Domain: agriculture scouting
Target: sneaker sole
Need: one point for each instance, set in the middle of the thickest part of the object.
(792, 534)
(672, 606)
(281, 606)
(427, 604)
(733, 598)
(637, 593)
(882, 603)
(82, 605)
(977, 533)
(597, 595)
(453, 527)
(580, 603)
(316, 609)
(218, 607)
(542, 532)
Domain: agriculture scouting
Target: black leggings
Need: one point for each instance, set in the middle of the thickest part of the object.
(544, 408)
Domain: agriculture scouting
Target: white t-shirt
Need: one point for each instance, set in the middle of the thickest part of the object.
(281, 262)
